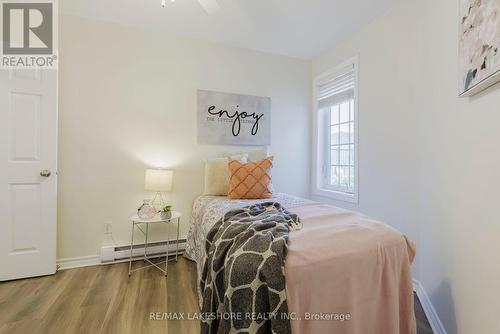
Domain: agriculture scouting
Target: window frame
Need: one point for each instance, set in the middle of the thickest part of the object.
(318, 148)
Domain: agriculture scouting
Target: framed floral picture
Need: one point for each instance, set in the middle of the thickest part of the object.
(479, 45)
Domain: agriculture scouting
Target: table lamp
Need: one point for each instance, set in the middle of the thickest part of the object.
(159, 181)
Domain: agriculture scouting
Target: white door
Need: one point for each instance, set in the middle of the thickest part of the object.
(28, 173)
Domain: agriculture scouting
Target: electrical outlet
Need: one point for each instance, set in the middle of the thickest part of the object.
(108, 227)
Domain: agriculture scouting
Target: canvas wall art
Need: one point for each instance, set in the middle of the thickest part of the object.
(479, 45)
(233, 119)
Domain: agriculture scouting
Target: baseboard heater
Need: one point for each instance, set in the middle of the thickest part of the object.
(110, 254)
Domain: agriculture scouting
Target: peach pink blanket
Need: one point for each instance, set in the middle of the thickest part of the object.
(348, 274)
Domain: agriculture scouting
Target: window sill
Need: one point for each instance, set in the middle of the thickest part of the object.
(336, 195)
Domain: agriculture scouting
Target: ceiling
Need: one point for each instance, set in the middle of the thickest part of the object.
(296, 28)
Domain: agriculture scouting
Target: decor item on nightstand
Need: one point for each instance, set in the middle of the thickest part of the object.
(146, 210)
(479, 45)
(166, 212)
(159, 181)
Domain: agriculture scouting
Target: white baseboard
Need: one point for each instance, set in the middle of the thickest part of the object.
(118, 254)
(430, 312)
(77, 262)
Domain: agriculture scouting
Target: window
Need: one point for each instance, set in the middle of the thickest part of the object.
(336, 158)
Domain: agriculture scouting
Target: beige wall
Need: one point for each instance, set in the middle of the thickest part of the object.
(128, 101)
(429, 160)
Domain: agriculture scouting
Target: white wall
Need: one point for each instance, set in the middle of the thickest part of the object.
(429, 160)
(387, 118)
(460, 248)
(128, 101)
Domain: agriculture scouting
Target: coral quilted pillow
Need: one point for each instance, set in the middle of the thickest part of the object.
(250, 180)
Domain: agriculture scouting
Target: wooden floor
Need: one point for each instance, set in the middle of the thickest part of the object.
(102, 299)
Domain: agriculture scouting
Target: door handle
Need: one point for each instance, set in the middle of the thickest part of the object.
(45, 173)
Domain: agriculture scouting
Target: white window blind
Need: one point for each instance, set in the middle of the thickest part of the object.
(337, 87)
(337, 165)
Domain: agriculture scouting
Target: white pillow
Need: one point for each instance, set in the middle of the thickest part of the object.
(217, 174)
(259, 154)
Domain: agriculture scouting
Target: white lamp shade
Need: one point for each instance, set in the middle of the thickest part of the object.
(158, 180)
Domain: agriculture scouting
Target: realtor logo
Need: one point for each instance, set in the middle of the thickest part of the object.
(28, 34)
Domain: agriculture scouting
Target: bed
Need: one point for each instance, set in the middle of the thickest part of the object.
(345, 273)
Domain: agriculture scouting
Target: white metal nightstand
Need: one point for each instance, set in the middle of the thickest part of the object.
(139, 223)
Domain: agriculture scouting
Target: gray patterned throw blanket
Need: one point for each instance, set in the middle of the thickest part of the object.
(243, 280)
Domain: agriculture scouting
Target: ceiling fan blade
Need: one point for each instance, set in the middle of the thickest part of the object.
(210, 6)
